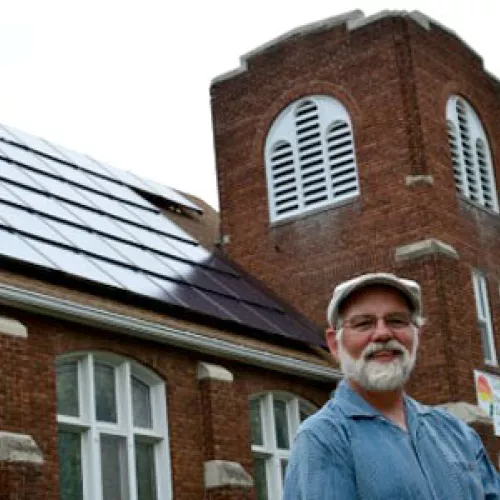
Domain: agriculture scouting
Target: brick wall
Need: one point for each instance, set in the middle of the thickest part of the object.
(394, 77)
(202, 425)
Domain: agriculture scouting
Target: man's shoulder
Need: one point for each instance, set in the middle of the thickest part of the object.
(329, 416)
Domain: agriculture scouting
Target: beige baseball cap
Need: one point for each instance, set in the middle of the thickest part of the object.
(410, 289)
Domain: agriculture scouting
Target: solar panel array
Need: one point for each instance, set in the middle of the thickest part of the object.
(66, 212)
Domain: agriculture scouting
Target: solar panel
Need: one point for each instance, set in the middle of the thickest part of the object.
(24, 157)
(15, 174)
(66, 212)
(30, 141)
(15, 247)
(156, 189)
(27, 222)
(9, 195)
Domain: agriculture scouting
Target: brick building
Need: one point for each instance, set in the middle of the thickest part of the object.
(359, 144)
(136, 364)
(139, 362)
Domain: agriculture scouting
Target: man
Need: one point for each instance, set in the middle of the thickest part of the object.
(371, 441)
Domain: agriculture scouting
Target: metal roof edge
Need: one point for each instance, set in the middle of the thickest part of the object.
(64, 309)
(323, 24)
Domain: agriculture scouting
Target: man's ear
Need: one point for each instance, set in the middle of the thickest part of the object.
(332, 342)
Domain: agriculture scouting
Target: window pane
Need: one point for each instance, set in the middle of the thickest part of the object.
(145, 470)
(114, 468)
(70, 466)
(141, 404)
(281, 424)
(259, 468)
(105, 393)
(256, 422)
(486, 342)
(67, 389)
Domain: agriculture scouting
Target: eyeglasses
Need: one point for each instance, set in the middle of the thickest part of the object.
(366, 323)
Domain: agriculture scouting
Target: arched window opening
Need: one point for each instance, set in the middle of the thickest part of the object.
(112, 430)
(310, 157)
(470, 154)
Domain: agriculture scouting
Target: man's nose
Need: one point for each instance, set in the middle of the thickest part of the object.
(382, 331)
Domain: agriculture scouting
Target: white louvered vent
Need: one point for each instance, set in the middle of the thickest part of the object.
(484, 176)
(455, 156)
(343, 174)
(470, 154)
(310, 151)
(284, 178)
(310, 158)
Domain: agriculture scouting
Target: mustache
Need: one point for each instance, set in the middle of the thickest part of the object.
(391, 345)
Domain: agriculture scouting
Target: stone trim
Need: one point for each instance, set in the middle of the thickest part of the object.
(19, 448)
(411, 180)
(424, 248)
(213, 372)
(12, 327)
(467, 412)
(219, 473)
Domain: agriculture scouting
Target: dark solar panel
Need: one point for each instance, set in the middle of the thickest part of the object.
(67, 212)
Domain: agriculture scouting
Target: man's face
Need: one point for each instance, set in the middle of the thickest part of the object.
(377, 345)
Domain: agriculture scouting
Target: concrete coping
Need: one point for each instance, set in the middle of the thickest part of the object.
(467, 412)
(353, 20)
(12, 327)
(219, 473)
(19, 448)
(213, 372)
(423, 248)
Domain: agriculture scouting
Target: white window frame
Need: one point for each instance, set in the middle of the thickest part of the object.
(483, 314)
(269, 449)
(306, 171)
(90, 429)
(470, 152)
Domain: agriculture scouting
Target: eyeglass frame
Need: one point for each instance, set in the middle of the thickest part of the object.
(408, 319)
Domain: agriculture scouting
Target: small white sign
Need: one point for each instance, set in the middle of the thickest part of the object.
(488, 396)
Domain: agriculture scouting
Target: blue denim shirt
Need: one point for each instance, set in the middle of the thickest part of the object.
(349, 451)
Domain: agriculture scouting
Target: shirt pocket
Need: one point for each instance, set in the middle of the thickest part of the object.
(469, 479)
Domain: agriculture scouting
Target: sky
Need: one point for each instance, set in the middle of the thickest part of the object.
(128, 82)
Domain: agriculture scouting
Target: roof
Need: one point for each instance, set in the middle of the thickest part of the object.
(72, 218)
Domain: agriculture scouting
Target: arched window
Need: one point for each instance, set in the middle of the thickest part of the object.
(310, 157)
(470, 154)
(274, 419)
(112, 430)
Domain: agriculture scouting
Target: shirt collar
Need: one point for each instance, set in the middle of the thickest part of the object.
(353, 405)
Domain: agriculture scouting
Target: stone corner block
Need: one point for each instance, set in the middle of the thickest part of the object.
(19, 448)
(467, 412)
(12, 327)
(213, 372)
(424, 248)
(219, 473)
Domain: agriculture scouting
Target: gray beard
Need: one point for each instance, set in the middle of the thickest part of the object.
(374, 376)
